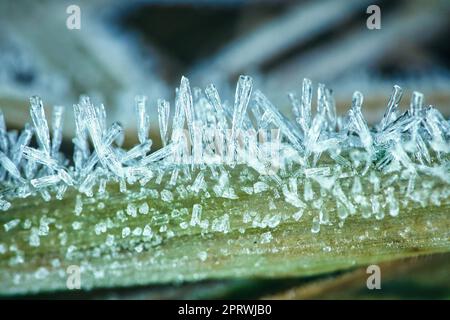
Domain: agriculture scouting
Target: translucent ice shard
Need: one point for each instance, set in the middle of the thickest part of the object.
(106, 154)
(214, 99)
(196, 215)
(305, 110)
(40, 123)
(113, 133)
(23, 140)
(163, 118)
(392, 107)
(143, 121)
(273, 115)
(9, 166)
(159, 155)
(197, 152)
(326, 106)
(46, 181)
(416, 103)
(137, 151)
(39, 156)
(57, 126)
(185, 97)
(3, 133)
(241, 100)
(359, 123)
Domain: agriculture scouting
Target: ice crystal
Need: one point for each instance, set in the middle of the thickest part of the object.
(143, 118)
(196, 215)
(203, 255)
(126, 232)
(40, 123)
(374, 171)
(11, 224)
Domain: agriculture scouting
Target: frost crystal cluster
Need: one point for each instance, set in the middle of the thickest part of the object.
(319, 158)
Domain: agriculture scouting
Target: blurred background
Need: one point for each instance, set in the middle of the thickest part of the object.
(134, 47)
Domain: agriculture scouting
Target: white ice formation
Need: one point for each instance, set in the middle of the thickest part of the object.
(204, 137)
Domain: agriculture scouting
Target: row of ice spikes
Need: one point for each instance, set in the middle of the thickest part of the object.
(408, 140)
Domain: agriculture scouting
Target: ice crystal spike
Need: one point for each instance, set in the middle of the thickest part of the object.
(305, 110)
(178, 119)
(46, 181)
(392, 107)
(273, 115)
(357, 101)
(321, 104)
(416, 103)
(113, 132)
(314, 133)
(214, 99)
(138, 151)
(40, 123)
(23, 140)
(326, 106)
(295, 108)
(185, 97)
(199, 183)
(101, 115)
(57, 126)
(158, 155)
(197, 152)
(105, 153)
(163, 118)
(81, 132)
(241, 100)
(9, 166)
(196, 215)
(359, 123)
(39, 156)
(3, 138)
(143, 121)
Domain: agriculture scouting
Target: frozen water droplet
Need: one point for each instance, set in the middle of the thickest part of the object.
(11, 224)
(126, 232)
(315, 228)
(203, 255)
(266, 237)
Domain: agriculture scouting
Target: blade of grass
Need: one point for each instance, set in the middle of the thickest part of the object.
(176, 254)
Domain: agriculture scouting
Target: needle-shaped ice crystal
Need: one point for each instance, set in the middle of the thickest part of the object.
(185, 97)
(40, 123)
(3, 133)
(279, 121)
(359, 123)
(10, 166)
(45, 181)
(23, 140)
(305, 110)
(158, 155)
(137, 151)
(392, 107)
(416, 103)
(241, 100)
(57, 126)
(143, 121)
(163, 118)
